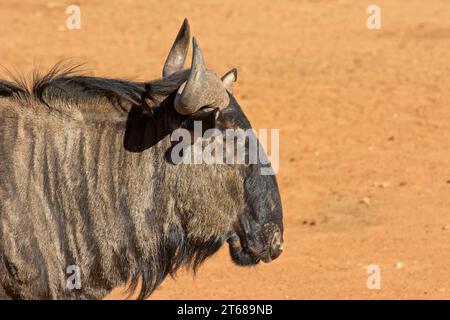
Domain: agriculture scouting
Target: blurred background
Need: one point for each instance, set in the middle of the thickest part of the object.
(364, 119)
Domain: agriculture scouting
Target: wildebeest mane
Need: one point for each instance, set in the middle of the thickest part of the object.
(66, 81)
(8, 88)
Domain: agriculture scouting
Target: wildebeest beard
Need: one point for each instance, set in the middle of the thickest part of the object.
(84, 182)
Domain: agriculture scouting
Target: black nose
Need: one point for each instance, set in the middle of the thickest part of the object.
(276, 245)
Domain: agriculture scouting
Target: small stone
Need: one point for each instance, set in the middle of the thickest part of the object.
(399, 265)
(366, 201)
(385, 184)
(391, 138)
(403, 183)
(312, 223)
(446, 227)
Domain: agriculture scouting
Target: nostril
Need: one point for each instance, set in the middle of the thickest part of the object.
(276, 251)
(276, 246)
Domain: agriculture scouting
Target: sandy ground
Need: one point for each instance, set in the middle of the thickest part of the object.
(364, 118)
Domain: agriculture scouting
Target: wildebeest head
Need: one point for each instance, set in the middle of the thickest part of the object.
(257, 232)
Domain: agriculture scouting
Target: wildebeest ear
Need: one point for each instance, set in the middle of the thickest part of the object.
(229, 78)
(207, 116)
(177, 55)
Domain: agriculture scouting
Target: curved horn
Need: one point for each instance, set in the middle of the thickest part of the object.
(177, 55)
(202, 89)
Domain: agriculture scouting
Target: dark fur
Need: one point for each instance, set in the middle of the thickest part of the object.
(84, 181)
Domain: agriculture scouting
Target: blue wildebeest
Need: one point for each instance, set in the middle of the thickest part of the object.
(86, 183)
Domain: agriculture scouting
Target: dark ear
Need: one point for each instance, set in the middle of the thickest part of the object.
(229, 78)
(207, 117)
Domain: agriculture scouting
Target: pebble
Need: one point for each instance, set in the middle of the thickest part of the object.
(366, 201)
(399, 265)
(385, 184)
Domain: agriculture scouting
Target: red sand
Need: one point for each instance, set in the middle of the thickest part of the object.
(364, 119)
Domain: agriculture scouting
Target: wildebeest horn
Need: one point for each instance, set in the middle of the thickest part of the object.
(177, 55)
(202, 89)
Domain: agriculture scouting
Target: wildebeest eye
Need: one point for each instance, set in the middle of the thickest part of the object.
(208, 118)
